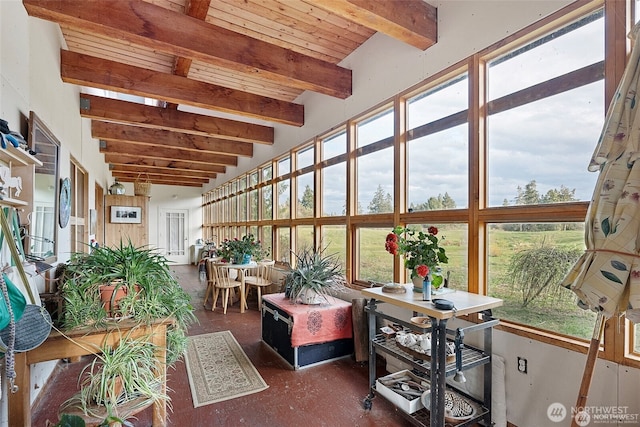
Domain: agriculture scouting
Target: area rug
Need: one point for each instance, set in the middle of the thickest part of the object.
(219, 370)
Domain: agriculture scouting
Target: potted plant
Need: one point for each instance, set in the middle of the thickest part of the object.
(421, 251)
(122, 380)
(152, 291)
(240, 251)
(315, 277)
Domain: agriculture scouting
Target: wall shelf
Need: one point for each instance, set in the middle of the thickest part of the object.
(18, 156)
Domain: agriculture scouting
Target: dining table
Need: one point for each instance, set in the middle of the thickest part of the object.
(242, 272)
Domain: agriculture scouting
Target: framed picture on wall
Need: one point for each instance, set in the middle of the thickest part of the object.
(126, 214)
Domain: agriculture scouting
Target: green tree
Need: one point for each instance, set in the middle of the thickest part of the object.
(381, 202)
(283, 208)
(306, 203)
(557, 196)
(448, 202)
(528, 196)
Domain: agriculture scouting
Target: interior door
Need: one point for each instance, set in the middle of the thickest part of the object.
(173, 225)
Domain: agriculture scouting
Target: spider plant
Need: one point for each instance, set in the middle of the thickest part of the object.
(154, 292)
(121, 380)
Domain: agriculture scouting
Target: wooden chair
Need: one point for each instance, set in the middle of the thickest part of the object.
(261, 279)
(223, 283)
(208, 267)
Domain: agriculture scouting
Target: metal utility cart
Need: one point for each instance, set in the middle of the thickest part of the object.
(466, 357)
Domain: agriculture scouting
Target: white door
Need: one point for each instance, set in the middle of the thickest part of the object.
(172, 234)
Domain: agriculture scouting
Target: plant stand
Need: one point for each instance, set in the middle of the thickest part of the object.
(58, 346)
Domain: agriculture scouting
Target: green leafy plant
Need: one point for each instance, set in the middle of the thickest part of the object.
(234, 249)
(121, 380)
(536, 271)
(421, 251)
(153, 291)
(314, 272)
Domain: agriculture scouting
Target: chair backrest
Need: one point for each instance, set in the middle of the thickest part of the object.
(210, 267)
(221, 273)
(264, 269)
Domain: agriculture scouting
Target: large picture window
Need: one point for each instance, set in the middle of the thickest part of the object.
(493, 151)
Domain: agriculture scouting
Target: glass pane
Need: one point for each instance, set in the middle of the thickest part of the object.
(305, 157)
(234, 208)
(334, 145)
(253, 179)
(284, 166)
(374, 262)
(453, 238)
(243, 206)
(334, 241)
(538, 153)
(438, 170)
(242, 183)
(305, 200)
(253, 205)
(563, 51)
(635, 346)
(304, 237)
(442, 101)
(334, 193)
(375, 128)
(267, 173)
(284, 211)
(267, 202)
(375, 182)
(525, 264)
(267, 242)
(284, 244)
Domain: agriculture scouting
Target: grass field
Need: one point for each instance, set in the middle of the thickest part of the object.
(556, 312)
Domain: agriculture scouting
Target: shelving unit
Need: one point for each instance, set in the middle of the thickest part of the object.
(16, 159)
(436, 369)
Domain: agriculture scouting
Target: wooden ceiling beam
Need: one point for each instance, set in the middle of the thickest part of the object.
(90, 71)
(164, 30)
(143, 171)
(167, 153)
(166, 138)
(165, 181)
(114, 110)
(196, 9)
(152, 176)
(168, 164)
(414, 22)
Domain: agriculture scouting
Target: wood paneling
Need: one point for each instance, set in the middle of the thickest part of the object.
(116, 232)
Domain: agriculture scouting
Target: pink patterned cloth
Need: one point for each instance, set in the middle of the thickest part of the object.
(315, 324)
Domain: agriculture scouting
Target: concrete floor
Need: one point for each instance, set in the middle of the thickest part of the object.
(329, 394)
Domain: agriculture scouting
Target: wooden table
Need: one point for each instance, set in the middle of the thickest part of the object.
(242, 271)
(82, 342)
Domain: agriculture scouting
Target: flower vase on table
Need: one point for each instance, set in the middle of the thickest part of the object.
(417, 283)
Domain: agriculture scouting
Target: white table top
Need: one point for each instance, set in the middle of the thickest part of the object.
(464, 302)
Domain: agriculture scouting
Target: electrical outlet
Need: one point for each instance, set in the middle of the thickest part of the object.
(522, 365)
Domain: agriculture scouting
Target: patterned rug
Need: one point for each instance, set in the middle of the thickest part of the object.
(219, 370)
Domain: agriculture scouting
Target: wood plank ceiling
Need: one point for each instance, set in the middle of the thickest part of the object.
(247, 59)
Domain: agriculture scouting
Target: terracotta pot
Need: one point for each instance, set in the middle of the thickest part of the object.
(110, 300)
